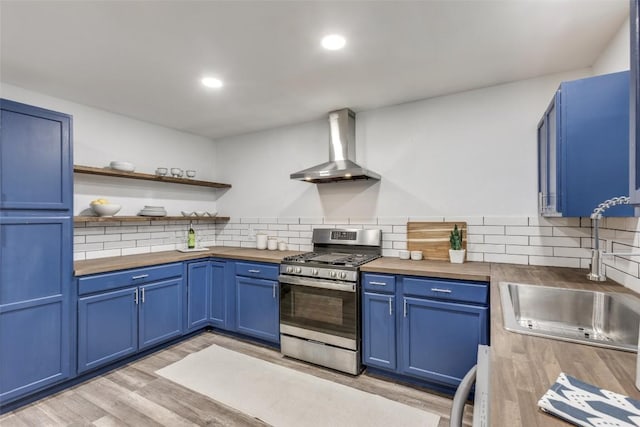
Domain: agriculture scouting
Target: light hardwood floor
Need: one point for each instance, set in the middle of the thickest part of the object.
(134, 395)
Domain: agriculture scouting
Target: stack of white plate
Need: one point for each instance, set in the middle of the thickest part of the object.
(153, 211)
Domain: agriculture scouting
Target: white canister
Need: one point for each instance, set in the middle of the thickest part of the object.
(261, 241)
(272, 244)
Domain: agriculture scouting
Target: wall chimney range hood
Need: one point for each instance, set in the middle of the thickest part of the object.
(342, 152)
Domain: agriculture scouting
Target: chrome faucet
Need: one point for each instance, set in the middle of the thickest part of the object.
(597, 266)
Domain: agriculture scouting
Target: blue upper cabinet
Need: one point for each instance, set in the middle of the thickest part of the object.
(36, 262)
(35, 158)
(634, 110)
(583, 147)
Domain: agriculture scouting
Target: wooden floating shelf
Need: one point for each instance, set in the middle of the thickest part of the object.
(148, 218)
(89, 170)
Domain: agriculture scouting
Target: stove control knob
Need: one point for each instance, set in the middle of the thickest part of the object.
(314, 271)
(289, 269)
(298, 270)
(332, 274)
(343, 275)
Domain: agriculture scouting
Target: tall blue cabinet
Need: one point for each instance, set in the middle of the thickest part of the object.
(583, 147)
(36, 253)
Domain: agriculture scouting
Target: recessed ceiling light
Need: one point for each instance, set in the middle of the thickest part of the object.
(333, 42)
(212, 82)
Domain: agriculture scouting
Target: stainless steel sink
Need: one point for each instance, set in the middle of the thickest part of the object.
(603, 319)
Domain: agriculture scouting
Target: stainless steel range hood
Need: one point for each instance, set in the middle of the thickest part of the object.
(342, 151)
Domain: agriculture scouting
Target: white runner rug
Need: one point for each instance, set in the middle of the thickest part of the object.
(284, 397)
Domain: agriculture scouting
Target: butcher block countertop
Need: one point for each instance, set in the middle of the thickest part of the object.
(102, 265)
(522, 366)
(443, 269)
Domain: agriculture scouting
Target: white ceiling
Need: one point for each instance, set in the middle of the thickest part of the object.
(144, 59)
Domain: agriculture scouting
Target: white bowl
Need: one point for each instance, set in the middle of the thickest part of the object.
(122, 166)
(416, 255)
(106, 210)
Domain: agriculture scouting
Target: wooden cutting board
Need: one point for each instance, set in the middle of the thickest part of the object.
(432, 238)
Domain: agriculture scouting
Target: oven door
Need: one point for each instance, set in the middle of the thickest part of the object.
(321, 310)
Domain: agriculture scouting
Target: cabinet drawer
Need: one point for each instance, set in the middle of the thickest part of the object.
(473, 292)
(379, 283)
(119, 279)
(254, 269)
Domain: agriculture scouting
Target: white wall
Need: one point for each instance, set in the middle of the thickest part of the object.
(615, 57)
(471, 153)
(101, 136)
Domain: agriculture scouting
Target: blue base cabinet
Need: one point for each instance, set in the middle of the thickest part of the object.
(207, 302)
(379, 330)
(257, 301)
(124, 312)
(107, 328)
(36, 254)
(583, 147)
(440, 339)
(424, 328)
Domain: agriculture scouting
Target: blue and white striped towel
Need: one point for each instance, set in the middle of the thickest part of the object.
(585, 405)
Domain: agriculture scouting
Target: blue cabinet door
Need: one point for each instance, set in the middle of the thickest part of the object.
(257, 308)
(107, 327)
(440, 339)
(583, 147)
(160, 312)
(35, 304)
(379, 330)
(35, 158)
(198, 289)
(217, 294)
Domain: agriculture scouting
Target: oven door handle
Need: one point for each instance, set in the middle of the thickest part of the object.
(318, 283)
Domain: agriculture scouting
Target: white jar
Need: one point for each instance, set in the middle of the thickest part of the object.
(272, 244)
(261, 241)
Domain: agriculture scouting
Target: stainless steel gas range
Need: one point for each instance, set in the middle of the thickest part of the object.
(320, 298)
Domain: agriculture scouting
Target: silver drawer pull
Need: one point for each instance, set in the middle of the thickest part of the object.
(141, 276)
(254, 271)
(444, 291)
(378, 283)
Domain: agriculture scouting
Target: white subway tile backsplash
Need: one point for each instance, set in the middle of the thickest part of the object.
(103, 254)
(554, 241)
(506, 220)
(571, 232)
(485, 229)
(470, 220)
(506, 258)
(475, 256)
(509, 240)
(486, 248)
(529, 231)
(393, 220)
(553, 222)
(530, 250)
(134, 251)
(554, 261)
(572, 252)
(564, 242)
